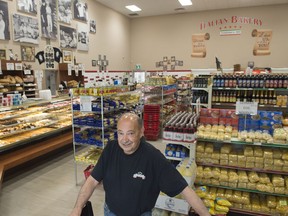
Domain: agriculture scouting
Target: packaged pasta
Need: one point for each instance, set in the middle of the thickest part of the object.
(241, 158)
(278, 181)
(279, 190)
(232, 176)
(209, 148)
(224, 162)
(250, 165)
(271, 201)
(224, 156)
(243, 178)
(268, 161)
(259, 165)
(226, 149)
(258, 151)
(259, 160)
(251, 186)
(248, 151)
(264, 178)
(223, 202)
(221, 208)
(215, 181)
(245, 198)
(220, 192)
(285, 155)
(228, 194)
(237, 197)
(223, 175)
(253, 177)
(242, 185)
(199, 171)
(255, 204)
(277, 154)
(282, 205)
(208, 203)
(216, 172)
(268, 153)
(201, 191)
(250, 159)
(200, 147)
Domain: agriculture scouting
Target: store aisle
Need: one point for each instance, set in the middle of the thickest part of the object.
(48, 189)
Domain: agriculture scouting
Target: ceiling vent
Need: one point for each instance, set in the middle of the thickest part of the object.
(134, 14)
(179, 9)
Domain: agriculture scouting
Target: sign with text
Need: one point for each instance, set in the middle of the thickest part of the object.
(85, 103)
(246, 108)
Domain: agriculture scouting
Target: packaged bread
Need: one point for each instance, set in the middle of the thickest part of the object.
(269, 161)
(264, 178)
(277, 154)
(248, 151)
(207, 173)
(226, 149)
(271, 201)
(259, 160)
(268, 153)
(242, 135)
(278, 181)
(224, 156)
(234, 133)
(214, 128)
(216, 172)
(200, 147)
(221, 129)
(209, 148)
(242, 175)
(253, 177)
(224, 162)
(258, 152)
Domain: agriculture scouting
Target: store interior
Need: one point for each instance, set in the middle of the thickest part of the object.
(210, 83)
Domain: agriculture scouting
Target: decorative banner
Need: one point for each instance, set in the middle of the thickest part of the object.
(263, 40)
(49, 57)
(198, 45)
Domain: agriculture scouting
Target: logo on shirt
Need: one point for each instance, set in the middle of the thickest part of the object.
(139, 175)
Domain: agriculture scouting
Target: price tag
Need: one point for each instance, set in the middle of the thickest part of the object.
(246, 108)
(257, 143)
(27, 72)
(18, 84)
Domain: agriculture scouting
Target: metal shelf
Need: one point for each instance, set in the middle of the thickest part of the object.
(185, 144)
(173, 158)
(246, 212)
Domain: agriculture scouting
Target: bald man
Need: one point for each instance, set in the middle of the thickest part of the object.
(133, 173)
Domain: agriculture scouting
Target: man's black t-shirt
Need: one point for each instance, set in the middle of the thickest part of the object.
(133, 182)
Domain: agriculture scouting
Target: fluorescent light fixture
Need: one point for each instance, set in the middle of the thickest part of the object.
(185, 2)
(133, 8)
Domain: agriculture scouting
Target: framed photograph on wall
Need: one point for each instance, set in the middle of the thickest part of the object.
(68, 37)
(25, 29)
(80, 9)
(94, 63)
(4, 21)
(83, 37)
(48, 17)
(67, 56)
(65, 11)
(92, 26)
(2, 54)
(27, 6)
(28, 53)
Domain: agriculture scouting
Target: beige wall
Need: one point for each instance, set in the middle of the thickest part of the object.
(171, 35)
(111, 39)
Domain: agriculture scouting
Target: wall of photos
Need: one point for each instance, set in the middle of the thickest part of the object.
(81, 29)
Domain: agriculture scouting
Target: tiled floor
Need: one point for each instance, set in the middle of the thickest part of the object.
(48, 188)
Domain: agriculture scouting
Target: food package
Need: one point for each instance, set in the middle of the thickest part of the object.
(250, 165)
(223, 183)
(278, 162)
(201, 191)
(268, 166)
(259, 165)
(215, 181)
(264, 208)
(232, 176)
(199, 171)
(242, 185)
(207, 173)
(270, 188)
(277, 154)
(251, 186)
(216, 172)
(285, 168)
(206, 181)
(224, 156)
(277, 168)
(226, 149)
(220, 192)
(258, 151)
(278, 181)
(271, 201)
(232, 163)
(282, 205)
(247, 207)
(243, 178)
(264, 178)
(233, 184)
(250, 159)
(268, 153)
(285, 155)
(233, 157)
(261, 187)
(208, 203)
(216, 155)
(242, 164)
(228, 194)
(245, 198)
(248, 151)
(255, 204)
(237, 205)
(259, 160)
(213, 190)
(200, 147)
(214, 161)
(237, 196)
(241, 158)
(253, 177)
(211, 211)
(221, 208)
(279, 190)
(223, 175)
(209, 148)
(268, 161)
(210, 196)
(224, 162)
(286, 181)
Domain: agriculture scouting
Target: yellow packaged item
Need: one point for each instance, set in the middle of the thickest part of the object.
(268, 161)
(211, 211)
(200, 147)
(245, 198)
(247, 207)
(233, 156)
(199, 171)
(278, 181)
(261, 187)
(255, 203)
(215, 181)
(228, 194)
(208, 203)
(224, 162)
(250, 159)
(271, 201)
(268, 166)
(264, 178)
(264, 208)
(258, 151)
(279, 190)
(201, 191)
(259, 165)
(216, 155)
(282, 205)
(223, 202)
(226, 149)
(268, 153)
(220, 192)
(224, 156)
(220, 213)
(242, 185)
(277, 154)
(248, 151)
(207, 172)
(224, 183)
(243, 178)
(285, 155)
(209, 148)
(221, 208)
(213, 190)
(259, 160)
(216, 172)
(253, 177)
(250, 165)
(237, 205)
(237, 196)
(210, 196)
(241, 158)
(270, 188)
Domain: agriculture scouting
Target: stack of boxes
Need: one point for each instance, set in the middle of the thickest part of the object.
(151, 121)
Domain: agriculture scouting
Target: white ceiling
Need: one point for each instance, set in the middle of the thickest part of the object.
(161, 7)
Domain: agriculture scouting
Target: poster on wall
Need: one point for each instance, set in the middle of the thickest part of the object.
(83, 37)
(49, 57)
(198, 45)
(68, 37)
(27, 6)
(48, 15)
(28, 53)
(25, 29)
(92, 26)
(263, 40)
(80, 9)
(4, 21)
(64, 11)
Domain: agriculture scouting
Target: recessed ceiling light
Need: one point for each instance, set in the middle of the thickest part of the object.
(185, 2)
(133, 8)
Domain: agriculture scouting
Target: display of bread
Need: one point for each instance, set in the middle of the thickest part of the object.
(72, 84)
(9, 79)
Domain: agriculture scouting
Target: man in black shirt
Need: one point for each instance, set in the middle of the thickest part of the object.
(133, 173)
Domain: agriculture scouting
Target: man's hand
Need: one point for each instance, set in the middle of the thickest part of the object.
(76, 212)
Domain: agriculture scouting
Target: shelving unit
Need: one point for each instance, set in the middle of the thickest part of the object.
(184, 94)
(208, 91)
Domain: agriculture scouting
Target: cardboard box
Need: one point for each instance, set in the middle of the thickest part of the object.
(172, 204)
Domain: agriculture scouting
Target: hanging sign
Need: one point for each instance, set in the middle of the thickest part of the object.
(49, 57)
(85, 103)
(246, 108)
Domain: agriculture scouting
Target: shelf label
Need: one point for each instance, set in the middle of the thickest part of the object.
(27, 72)
(85, 103)
(246, 108)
